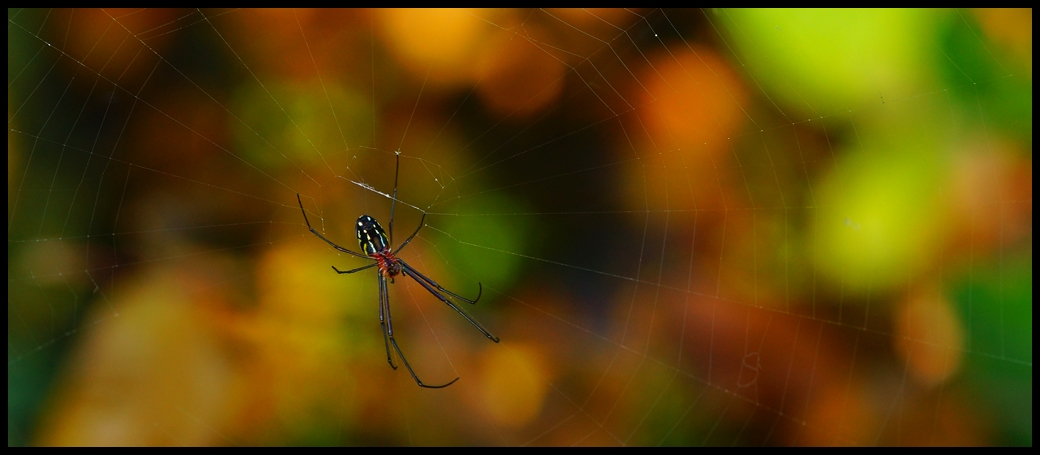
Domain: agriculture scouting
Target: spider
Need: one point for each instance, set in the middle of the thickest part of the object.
(373, 242)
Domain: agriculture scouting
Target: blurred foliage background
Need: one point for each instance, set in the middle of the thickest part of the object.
(692, 227)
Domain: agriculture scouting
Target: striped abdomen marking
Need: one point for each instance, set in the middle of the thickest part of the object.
(371, 236)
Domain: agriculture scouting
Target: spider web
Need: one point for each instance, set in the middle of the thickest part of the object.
(703, 227)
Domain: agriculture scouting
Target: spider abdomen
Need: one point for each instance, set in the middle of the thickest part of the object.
(371, 236)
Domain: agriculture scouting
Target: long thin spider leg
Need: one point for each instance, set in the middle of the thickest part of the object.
(390, 334)
(393, 202)
(355, 270)
(383, 301)
(408, 271)
(322, 236)
(410, 370)
(421, 221)
(480, 289)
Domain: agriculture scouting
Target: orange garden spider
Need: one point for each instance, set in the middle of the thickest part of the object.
(374, 244)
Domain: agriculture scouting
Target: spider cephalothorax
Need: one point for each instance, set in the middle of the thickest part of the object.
(377, 247)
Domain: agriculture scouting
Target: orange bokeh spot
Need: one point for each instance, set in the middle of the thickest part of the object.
(688, 104)
(1013, 29)
(156, 346)
(692, 100)
(985, 175)
(519, 79)
(840, 415)
(514, 384)
(930, 337)
(119, 44)
(584, 18)
(442, 42)
(299, 44)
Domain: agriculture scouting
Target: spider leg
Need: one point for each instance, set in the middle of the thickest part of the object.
(390, 335)
(409, 239)
(397, 168)
(383, 304)
(322, 236)
(407, 270)
(355, 270)
(480, 289)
